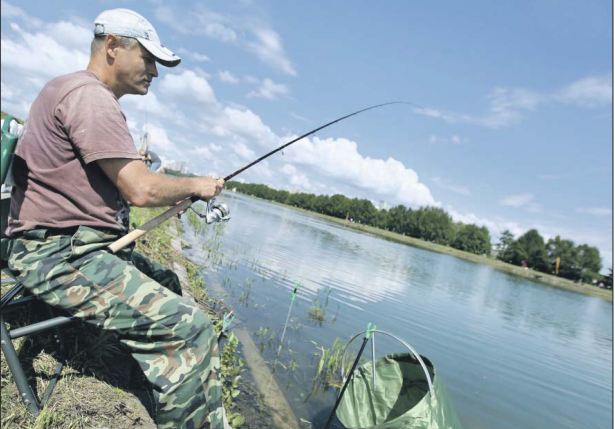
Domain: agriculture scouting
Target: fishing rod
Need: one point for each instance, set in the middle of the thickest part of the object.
(219, 212)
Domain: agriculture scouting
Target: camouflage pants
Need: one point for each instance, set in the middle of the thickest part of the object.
(172, 340)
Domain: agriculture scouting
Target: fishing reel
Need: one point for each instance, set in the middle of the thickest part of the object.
(215, 212)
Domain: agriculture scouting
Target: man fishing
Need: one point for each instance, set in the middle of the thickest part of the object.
(76, 171)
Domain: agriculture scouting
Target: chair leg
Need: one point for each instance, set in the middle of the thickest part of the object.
(27, 394)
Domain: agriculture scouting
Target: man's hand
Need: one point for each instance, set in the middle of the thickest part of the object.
(208, 188)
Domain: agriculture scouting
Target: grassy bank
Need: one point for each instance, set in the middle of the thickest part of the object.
(536, 276)
(100, 386)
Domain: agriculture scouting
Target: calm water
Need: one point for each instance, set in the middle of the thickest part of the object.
(512, 353)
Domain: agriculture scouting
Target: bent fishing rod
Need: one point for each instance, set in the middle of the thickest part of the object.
(216, 213)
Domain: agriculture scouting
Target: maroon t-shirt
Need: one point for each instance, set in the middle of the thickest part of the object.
(75, 121)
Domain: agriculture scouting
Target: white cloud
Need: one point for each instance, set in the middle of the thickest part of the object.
(195, 56)
(595, 211)
(495, 226)
(269, 90)
(40, 54)
(10, 11)
(301, 118)
(268, 48)
(339, 159)
(588, 92)
(525, 201)
(243, 151)
(296, 179)
(244, 31)
(517, 200)
(507, 106)
(188, 86)
(455, 139)
(159, 137)
(227, 76)
(245, 124)
(251, 79)
(445, 184)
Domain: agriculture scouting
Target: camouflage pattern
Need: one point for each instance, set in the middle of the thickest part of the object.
(172, 340)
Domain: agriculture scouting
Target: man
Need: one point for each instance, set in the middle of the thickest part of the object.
(76, 172)
(152, 160)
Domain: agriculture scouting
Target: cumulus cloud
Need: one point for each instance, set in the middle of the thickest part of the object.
(188, 86)
(40, 54)
(495, 226)
(158, 137)
(269, 90)
(245, 124)
(227, 76)
(296, 179)
(339, 159)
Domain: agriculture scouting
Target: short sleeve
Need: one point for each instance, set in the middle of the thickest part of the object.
(95, 124)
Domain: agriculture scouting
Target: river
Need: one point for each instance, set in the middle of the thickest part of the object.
(513, 353)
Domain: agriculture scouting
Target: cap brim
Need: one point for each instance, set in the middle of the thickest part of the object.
(163, 55)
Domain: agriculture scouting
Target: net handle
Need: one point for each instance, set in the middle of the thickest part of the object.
(408, 346)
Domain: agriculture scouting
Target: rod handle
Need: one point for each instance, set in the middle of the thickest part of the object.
(149, 225)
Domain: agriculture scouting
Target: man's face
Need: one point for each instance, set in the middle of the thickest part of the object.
(135, 70)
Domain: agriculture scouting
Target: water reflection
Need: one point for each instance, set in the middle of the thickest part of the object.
(501, 343)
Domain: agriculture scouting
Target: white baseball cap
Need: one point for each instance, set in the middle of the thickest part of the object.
(128, 23)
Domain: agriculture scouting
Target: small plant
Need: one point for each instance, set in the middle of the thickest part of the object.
(318, 311)
(329, 366)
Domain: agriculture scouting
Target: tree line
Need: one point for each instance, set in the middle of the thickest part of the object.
(576, 262)
(435, 225)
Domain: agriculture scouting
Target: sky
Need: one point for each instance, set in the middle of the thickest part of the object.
(511, 126)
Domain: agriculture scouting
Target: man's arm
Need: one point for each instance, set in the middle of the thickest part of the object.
(142, 188)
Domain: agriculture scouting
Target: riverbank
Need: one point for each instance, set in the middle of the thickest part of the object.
(536, 276)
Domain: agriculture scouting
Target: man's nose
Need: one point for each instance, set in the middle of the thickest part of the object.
(153, 71)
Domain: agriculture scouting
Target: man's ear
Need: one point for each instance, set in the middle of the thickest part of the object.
(112, 43)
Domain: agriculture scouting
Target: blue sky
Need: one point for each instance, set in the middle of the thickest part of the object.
(514, 130)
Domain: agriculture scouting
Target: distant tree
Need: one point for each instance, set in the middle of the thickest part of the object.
(530, 247)
(433, 224)
(472, 238)
(569, 258)
(507, 239)
(590, 262)
(397, 218)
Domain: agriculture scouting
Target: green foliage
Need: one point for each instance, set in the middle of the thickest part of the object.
(473, 239)
(569, 257)
(589, 262)
(530, 247)
(504, 246)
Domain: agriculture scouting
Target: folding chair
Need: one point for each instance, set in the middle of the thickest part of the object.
(19, 296)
